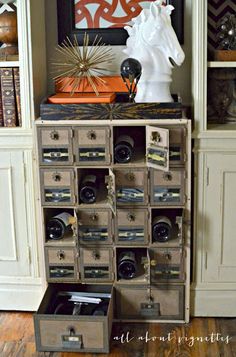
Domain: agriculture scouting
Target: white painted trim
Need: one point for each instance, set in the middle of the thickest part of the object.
(213, 303)
(12, 218)
(221, 64)
(22, 298)
(4, 64)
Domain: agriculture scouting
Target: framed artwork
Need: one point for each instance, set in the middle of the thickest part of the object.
(107, 18)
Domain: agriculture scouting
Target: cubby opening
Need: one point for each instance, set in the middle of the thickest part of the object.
(166, 226)
(132, 265)
(97, 193)
(138, 141)
(221, 97)
(68, 238)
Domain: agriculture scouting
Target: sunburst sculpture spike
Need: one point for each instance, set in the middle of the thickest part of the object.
(82, 65)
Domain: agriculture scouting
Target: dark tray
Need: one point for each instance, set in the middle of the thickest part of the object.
(119, 110)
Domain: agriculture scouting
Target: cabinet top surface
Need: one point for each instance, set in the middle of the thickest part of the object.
(112, 122)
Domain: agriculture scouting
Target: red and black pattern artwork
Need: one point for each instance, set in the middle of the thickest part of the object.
(107, 13)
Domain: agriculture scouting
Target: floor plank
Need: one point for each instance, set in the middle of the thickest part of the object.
(146, 340)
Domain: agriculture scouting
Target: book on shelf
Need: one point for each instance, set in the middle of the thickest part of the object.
(1, 110)
(8, 97)
(16, 72)
(76, 98)
(10, 107)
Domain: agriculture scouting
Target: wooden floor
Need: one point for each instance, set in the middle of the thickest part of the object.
(17, 339)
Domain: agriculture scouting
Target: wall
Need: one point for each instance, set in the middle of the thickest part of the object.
(181, 76)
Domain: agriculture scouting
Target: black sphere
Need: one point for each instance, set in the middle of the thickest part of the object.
(130, 67)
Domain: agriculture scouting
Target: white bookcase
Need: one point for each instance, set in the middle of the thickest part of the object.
(20, 282)
(214, 267)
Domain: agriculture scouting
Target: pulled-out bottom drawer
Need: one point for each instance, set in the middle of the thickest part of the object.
(160, 302)
(74, 317)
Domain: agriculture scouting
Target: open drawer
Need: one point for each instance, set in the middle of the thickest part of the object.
(65, 325)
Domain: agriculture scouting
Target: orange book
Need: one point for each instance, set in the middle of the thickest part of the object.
(112, 84)
(79, 98)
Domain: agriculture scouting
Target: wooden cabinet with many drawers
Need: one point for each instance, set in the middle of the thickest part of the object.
(140, 215)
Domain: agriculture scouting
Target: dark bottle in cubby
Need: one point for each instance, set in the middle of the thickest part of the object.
(161, 229)
(88, 189)
(127, 265)
(59, 225)
(124, 149)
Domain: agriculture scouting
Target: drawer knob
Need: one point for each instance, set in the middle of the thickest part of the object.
(130, 176)
(155, 137)
(71, 331)
(56, 177)
(92, 135)
(168, 256)
(167, 176)
(95, 255)
(150, 298)
(153, 263)
(54, 135)
(131, 217)
(61, 255)
(94, 217)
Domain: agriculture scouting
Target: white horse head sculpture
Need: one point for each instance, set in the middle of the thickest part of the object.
(153, 42)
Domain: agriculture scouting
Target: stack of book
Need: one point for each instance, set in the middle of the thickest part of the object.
(10, 108)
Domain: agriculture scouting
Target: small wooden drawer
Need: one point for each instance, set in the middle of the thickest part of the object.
(177, 146)
(61, 264)
(60, 255)
(92, 145)
(131, 226)
(55, 146)
(96, 264)
(131, 186)
(160, 302)
(167, 188)
(60, 325)
(166, 265)
(57, 186)
(95, 226)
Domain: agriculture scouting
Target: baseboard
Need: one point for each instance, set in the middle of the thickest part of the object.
(215, 303)
(20, 298)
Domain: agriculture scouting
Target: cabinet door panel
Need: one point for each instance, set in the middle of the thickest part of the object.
(219, 219)
(14, 257)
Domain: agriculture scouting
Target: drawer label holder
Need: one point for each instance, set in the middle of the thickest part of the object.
(150, 309)
(72, 340)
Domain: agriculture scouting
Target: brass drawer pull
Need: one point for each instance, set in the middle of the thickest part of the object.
(94, 217)
(168, 256)
(95, 255)
(71, 331)
(167, 176)
(54, 135)
(153, 263)
(91, 135)
(131, 217)
(56, 177)
(61, 254)
(130, 176)
(155, 137)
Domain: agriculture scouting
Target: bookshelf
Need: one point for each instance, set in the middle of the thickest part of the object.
(19, 267)
(214, 283)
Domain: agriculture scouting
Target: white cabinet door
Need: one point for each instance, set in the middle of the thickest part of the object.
(20, 284)
(219, 219)
(14, 254)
